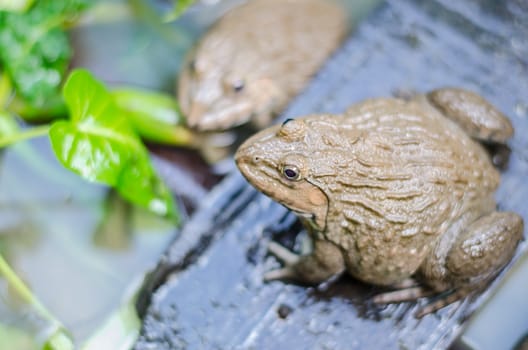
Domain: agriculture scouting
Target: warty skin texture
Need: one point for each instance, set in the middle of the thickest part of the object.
(394, 188)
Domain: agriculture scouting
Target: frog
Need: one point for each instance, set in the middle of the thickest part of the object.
(259, 55)
(397, 193)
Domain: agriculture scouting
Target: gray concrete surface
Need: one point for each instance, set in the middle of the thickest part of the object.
(214, 297)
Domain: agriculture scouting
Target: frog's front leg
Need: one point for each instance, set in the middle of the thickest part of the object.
(476, 116)
(324, 262)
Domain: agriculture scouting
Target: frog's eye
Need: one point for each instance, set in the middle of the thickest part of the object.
(238, 86)
(291, 172)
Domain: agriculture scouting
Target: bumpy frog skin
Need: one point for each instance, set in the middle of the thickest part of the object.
(391, 189)
(255, 59)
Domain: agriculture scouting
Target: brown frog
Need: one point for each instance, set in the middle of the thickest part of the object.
(391, 189)
(255, 59)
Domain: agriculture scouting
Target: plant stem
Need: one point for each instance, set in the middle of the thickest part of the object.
(24, 135)
(5, 89)
(58, 338)
(23, 291)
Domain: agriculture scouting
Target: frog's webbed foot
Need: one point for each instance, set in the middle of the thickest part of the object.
(323, 263)
(415, 293)
(286, 257)
(444, 301)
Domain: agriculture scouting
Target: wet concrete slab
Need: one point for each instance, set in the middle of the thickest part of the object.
(208, 291)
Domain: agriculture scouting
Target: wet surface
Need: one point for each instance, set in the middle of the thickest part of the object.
(211, 294)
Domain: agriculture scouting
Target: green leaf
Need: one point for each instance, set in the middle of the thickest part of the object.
(180, 6)
(34, 50)
(155, 116)
(15, 5)
(99, 144)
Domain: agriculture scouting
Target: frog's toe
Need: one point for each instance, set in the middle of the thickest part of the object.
(285, 273)
(283, 254)
(443, 302)
(414, 293)
(406, 294)
(287, 258)
(325, 262)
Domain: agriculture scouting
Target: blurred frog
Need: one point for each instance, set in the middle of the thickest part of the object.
(255, 59)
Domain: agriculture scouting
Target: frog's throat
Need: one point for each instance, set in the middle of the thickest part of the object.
(315, 218)
(309, 220)
(310, 205)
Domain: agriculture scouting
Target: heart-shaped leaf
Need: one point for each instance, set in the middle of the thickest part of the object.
(99, 144)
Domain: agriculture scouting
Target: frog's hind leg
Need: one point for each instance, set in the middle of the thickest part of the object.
(483, 249)
(324, 262)
(446, 300)
(406, 283)
(464, 262)
(479, 119)
(407, 290)
(474, 258)
(415, 293)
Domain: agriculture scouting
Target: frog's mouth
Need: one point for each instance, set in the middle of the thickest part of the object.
(305, 199)
(219, 115)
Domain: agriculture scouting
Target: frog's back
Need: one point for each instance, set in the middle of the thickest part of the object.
(285, 40)
(402, 173)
